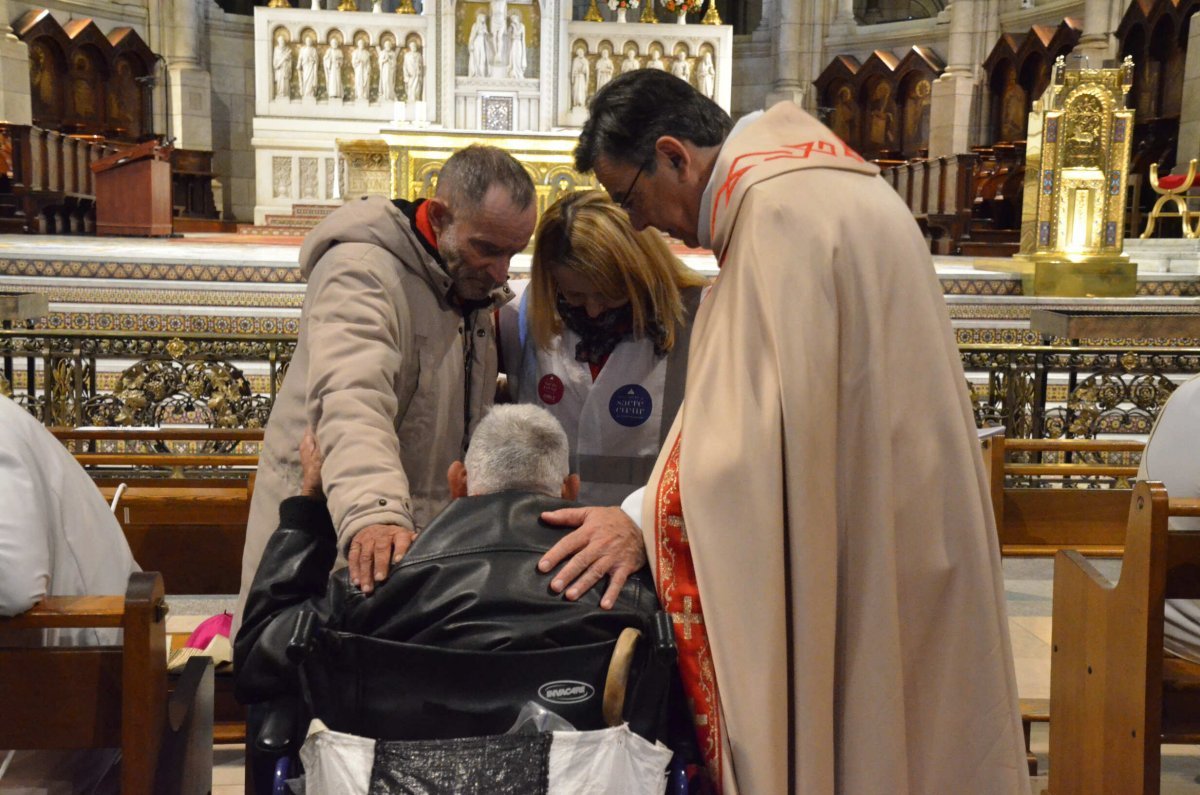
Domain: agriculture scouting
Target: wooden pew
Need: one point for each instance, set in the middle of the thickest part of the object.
(109, 696)
(1114, 697)
(1035, 522)
(189, 528)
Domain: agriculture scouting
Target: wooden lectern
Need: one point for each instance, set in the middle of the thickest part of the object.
(133, 191)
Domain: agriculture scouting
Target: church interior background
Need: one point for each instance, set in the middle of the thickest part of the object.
(1060, 224)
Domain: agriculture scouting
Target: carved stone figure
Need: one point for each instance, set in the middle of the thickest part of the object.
(579, 78)
(604, 69)
(480, 44)
(334, 57)
(414, 73)
(387, 71)
(361, 61)
(308, 68)
(706, 76)
(630, 63)
(499, 23)
(281, 62)
(655, 60)
(681, 68)
(516, 47)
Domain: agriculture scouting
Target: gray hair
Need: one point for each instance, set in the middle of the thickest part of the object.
(518, 448)
(468, 174)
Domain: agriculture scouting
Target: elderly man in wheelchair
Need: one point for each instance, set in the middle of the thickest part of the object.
(463, 671)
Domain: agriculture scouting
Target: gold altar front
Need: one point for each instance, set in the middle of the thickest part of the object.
(411, 159)
(1077, 162)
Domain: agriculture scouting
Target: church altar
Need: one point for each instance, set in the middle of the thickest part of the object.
(332, 88)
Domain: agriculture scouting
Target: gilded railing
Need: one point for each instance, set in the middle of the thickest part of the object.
(72, 379)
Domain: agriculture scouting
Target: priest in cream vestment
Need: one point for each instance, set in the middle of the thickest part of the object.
(818, 521)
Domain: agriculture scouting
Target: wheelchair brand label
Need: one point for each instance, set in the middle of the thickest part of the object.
(566, 691)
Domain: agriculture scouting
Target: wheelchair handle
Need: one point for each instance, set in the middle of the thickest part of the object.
(301, 642)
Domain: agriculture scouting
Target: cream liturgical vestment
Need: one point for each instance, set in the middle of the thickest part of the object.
(833, 497)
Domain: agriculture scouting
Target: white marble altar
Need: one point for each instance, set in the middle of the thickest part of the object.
(516, 66)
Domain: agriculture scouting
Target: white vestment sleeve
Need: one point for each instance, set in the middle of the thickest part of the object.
(632, 506)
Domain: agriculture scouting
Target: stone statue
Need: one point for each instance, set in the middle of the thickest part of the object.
(414, 73)
(655, 60)
(281, 61)
(308, 68)
(334, 57)
(579, 78)
(516, 47)
(480, 44)
(604, 69)
(630, 63)
(706, 76)
(499, 23)
(361, 61)
(681, 68)
(387, 71)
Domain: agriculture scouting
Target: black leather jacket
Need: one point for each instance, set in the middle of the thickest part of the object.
(469, 581)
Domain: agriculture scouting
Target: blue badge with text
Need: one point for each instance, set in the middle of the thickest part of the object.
(630, 405)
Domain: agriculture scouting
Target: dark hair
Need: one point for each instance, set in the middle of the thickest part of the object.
(629, 114)
(469, 173)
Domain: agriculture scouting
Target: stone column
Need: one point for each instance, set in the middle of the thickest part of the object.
(1097, 41)
(15, 107)
(952, 106)
(189, 90)
(1189, 115)
(787, 45)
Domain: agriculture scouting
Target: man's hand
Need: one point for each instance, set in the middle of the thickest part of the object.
(607, 542)
(310, 465)
(373, 550)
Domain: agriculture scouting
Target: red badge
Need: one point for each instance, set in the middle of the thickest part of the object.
(550, 389)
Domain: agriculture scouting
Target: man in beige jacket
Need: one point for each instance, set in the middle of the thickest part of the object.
(818, 521)
(396, 359)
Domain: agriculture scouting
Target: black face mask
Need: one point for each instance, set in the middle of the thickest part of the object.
(598, 336)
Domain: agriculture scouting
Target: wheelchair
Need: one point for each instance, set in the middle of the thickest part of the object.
(387, 690)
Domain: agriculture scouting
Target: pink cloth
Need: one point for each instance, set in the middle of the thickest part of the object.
(208, 629)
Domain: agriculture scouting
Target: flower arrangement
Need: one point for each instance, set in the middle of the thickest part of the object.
(679, 6)
(615, 4)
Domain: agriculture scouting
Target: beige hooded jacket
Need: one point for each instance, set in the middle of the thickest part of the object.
(387, 370)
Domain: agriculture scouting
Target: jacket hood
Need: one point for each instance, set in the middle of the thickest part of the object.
(377, 221)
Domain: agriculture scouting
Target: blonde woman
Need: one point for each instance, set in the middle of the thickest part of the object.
(599, 338)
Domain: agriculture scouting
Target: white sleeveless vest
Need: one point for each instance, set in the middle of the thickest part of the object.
(615, 424)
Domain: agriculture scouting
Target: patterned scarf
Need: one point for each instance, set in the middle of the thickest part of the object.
(598, 336)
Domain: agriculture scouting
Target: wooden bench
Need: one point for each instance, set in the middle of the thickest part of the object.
(1115, 698)
(189, 528)
(1038, 522)
(80, 697)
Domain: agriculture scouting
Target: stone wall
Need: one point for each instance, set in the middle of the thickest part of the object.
(231, 62)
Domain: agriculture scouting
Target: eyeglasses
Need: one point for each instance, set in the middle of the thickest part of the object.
(625, 203)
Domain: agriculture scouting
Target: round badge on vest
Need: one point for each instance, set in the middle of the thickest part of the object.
(630, 405)
(550, 389)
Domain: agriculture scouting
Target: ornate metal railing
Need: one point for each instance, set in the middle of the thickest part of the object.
(113, 379)
(1102, 390)
(73, 379)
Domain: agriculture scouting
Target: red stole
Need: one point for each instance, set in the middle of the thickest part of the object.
(680, 597)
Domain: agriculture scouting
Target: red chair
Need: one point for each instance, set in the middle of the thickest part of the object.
(1172, 189)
